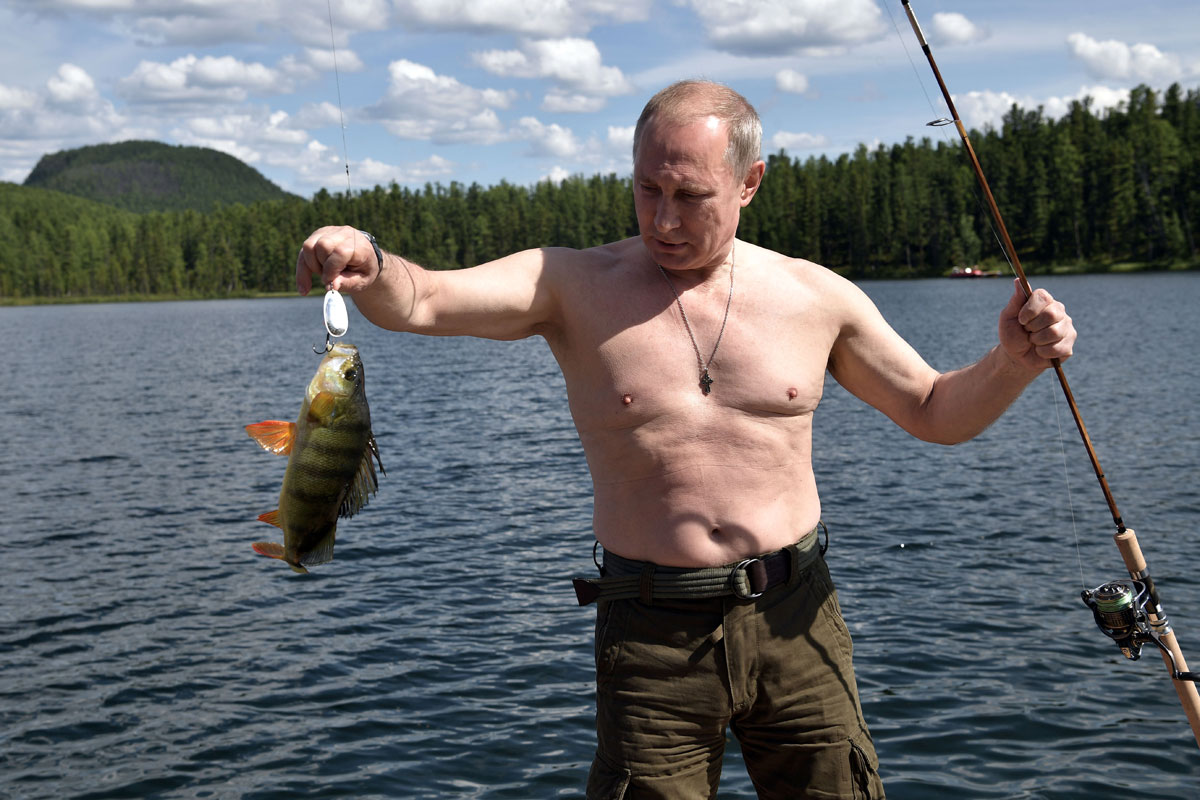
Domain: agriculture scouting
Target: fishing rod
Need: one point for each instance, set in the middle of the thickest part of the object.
(1128, 612)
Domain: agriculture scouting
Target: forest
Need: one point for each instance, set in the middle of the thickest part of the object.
(1088, 190)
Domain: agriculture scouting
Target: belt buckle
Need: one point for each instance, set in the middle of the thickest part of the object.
(744, 567)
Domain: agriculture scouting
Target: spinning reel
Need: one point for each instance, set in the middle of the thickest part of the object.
(1120, 610)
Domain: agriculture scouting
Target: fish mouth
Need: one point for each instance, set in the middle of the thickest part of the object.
(340, 372)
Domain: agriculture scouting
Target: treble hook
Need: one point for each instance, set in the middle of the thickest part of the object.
(328, 345)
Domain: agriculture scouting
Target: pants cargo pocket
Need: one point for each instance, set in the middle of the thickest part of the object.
(864, 772)
(606, 782)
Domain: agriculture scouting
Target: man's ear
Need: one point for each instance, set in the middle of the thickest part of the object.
(752, 181)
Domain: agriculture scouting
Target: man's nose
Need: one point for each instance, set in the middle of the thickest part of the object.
(666, 218)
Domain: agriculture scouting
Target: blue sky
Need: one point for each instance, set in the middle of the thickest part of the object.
(523, 90)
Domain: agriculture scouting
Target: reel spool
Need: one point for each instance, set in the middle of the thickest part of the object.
(1119, 608)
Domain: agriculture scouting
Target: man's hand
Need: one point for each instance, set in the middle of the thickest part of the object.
(339, 257)
(1034, 331)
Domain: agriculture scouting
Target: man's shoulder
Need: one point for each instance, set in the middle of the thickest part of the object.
(592, 260)
(779, 266)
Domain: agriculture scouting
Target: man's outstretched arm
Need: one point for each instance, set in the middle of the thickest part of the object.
(510, 298)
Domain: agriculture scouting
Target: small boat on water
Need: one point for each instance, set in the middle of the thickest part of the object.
(974, 272)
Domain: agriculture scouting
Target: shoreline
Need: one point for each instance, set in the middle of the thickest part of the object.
(890, 273)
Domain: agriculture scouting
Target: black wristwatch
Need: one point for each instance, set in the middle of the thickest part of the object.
(375, 244)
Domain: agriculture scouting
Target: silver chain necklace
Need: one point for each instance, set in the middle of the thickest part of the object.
(705, 381)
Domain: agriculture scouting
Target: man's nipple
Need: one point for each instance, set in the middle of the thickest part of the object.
(792, 393)
(627, 399)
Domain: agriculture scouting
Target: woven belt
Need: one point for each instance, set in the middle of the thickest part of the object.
(624, 579)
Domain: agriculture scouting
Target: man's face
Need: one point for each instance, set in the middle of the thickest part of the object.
(687, 199)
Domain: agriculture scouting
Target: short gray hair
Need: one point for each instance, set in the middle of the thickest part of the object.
(685, 102)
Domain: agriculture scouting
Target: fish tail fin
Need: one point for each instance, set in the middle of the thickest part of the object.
(275, 550)
(323, 552)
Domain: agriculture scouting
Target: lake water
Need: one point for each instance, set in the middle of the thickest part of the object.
(145, 651)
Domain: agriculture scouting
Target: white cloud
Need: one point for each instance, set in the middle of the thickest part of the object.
(1120, 61)
(954, 28)
(545, 18)
(420, 104)
(254, 135)
(16, 99)
(788, 80)
(72, 85)
(69, 113)
(370, 172)
(557, 175)
(798, 141)
(201, 79)
(558, 101)
(980, 109)
(574, 63)
(202, 23)
(552, 140)
(319, 115)
(776, 27)
(621, 137)
(325, 59)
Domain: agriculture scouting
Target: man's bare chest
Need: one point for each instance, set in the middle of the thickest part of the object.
(639, 357)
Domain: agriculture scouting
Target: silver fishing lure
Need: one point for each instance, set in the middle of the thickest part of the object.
(337, 319)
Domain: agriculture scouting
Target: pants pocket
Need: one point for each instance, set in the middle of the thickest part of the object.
(606, 782)
(864, 772)
(612, 618)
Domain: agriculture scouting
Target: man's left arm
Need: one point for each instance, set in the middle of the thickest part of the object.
(874, 363)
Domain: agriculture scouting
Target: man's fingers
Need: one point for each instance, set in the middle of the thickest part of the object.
(1041, 311)
(326, 257)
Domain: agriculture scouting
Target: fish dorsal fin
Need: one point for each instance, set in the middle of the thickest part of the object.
(322, 406)
(323, 552)
(365, 482)
(271, 518)
(275, 436)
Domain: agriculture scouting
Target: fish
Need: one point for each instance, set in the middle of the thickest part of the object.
(331, 454)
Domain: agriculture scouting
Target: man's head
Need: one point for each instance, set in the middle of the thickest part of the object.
(688, 101)
(695, 167)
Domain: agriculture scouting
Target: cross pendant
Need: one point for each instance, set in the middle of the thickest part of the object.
(705, 382)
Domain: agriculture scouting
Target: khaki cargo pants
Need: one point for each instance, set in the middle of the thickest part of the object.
(776, 669)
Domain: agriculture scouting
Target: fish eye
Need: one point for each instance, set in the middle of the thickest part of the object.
(351, 374)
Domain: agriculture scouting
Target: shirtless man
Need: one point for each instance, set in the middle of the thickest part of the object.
(689, 476)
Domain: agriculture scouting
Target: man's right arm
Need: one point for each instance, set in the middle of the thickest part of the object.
(510, 298)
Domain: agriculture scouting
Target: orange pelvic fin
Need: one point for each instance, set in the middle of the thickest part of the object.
(271, 518)
(268, 549)
(275, 436)
(275, 550)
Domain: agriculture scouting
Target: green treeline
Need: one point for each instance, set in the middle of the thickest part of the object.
(1088, 188)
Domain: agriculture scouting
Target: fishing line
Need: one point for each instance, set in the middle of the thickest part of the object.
(940, 123)
(334, 312)
(1067, 480)
(916, 73)
(337, 80)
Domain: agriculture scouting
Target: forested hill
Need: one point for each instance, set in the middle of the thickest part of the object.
(1090, 188)
(152, 176)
